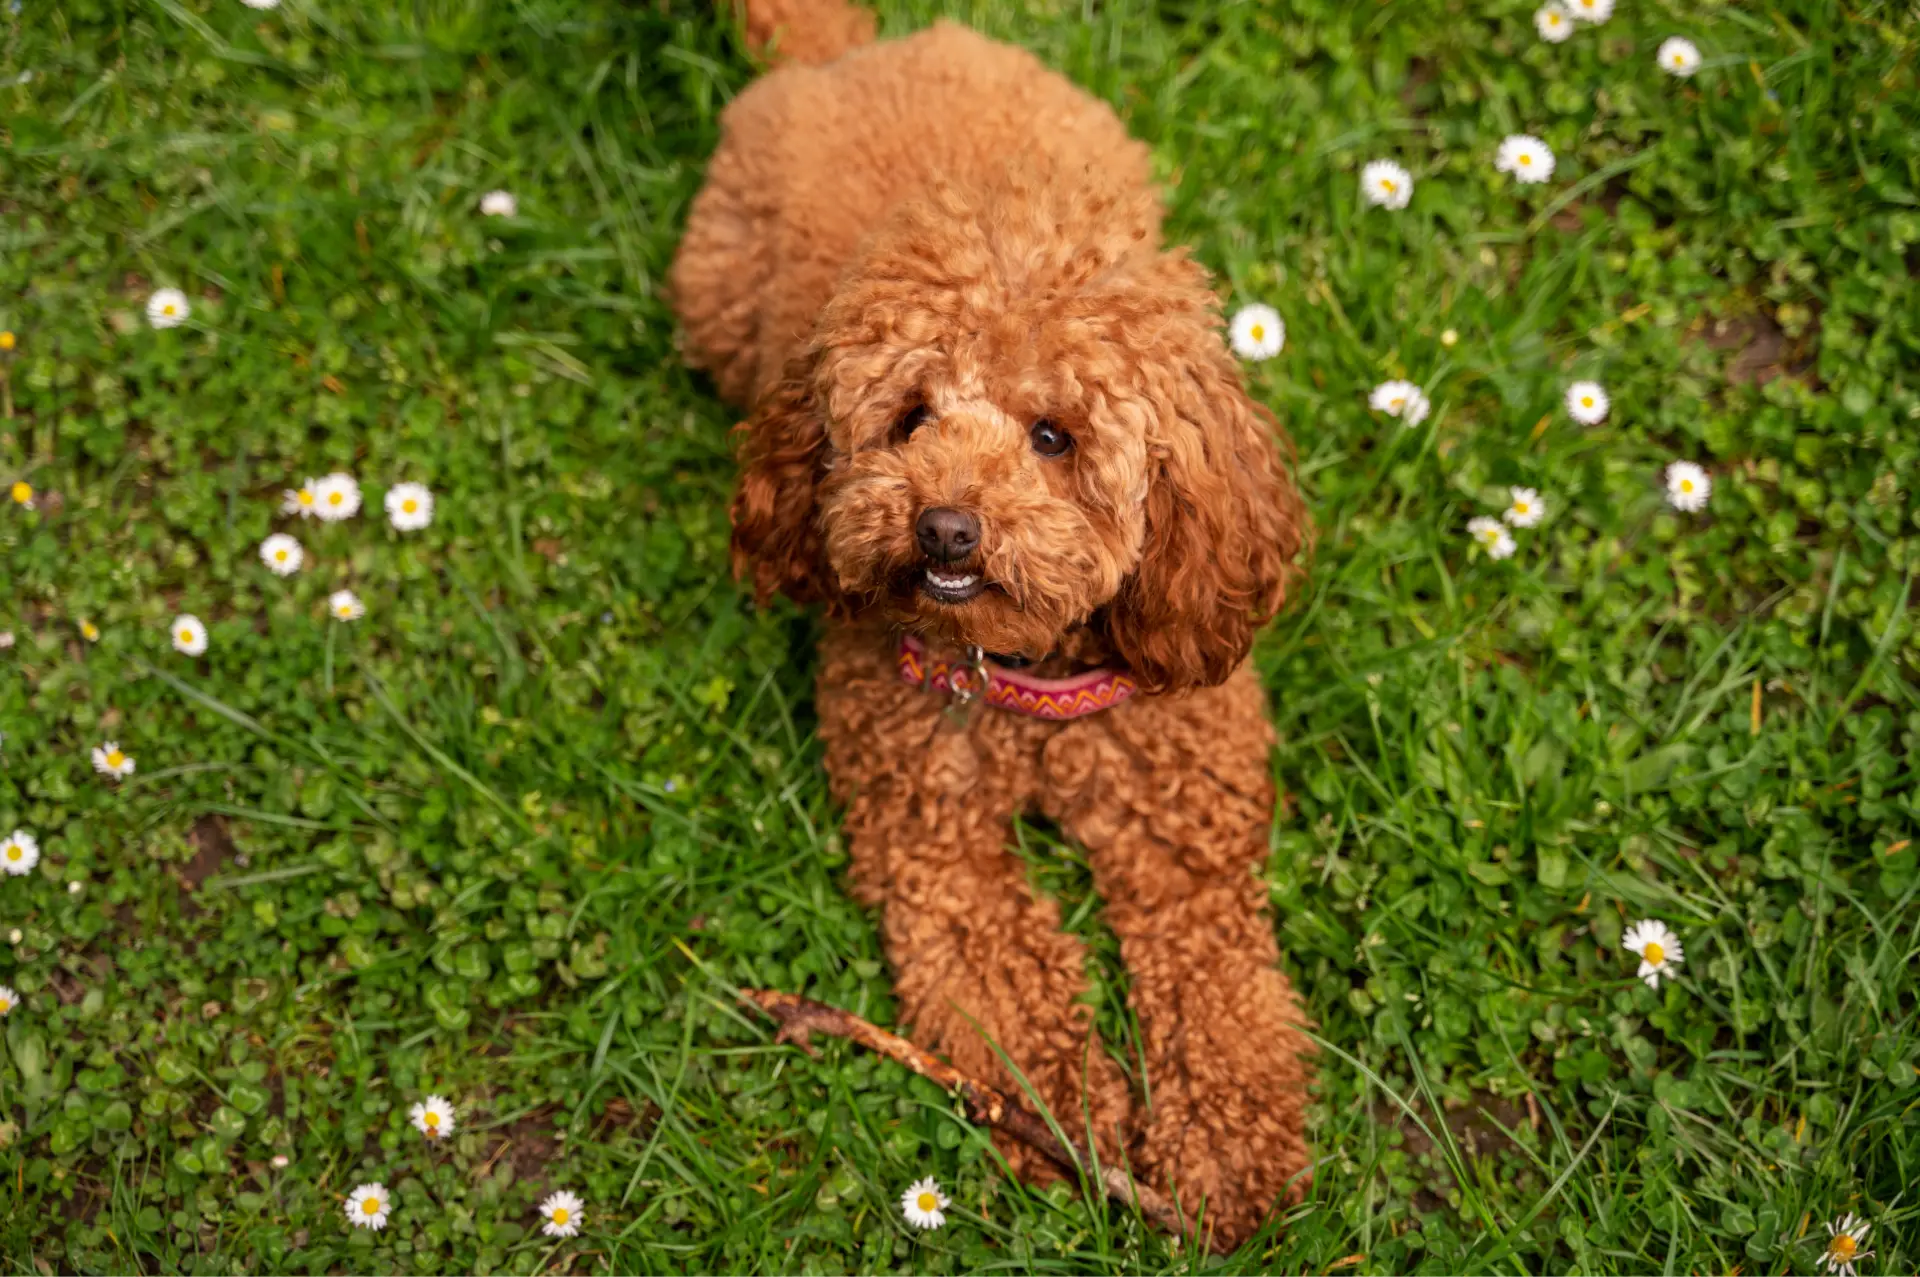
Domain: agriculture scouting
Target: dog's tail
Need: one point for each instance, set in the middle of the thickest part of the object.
(805, 31)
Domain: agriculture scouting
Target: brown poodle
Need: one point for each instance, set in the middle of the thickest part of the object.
(995, 431)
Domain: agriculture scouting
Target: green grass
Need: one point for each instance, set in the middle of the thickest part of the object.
(514, 836)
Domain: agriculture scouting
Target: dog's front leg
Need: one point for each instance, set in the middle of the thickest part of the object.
(1172, 800)
(981, 962)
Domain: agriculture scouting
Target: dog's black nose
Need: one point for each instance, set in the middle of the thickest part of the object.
(947, 535)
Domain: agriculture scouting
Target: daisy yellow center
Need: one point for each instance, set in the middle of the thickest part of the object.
(1654, 953)
(186, 636)
(1843, 1247)
(432, 1120)
(561, 1214)
(22, 492)
(1521, 507)
(6, 340)
(344, 608)
(335, 498)
(1490, 535)
(409, 505)
(927, 1202)
(13, 851)
(1553, 19)
(5, 1006)
(1686, 485)
(1390, 185)
(371, 1206)
(279, 556)
(305, 497)
(1395, 402)
(1525, 158)
(1586, 401)
(1679, 59)
(1259, 332)
(115, 758)
(89, 629)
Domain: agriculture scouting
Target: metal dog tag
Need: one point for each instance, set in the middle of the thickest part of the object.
(965, 697)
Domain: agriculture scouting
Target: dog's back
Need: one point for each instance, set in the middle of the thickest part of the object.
(813, 156)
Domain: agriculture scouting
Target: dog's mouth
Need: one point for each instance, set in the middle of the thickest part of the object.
(951, 585)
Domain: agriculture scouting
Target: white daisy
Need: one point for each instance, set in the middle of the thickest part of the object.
(280, 1161)
(8, 1000)
(19, 853)
(1553, 22)
(110, 760)
(15, 936)
(1658, 948)
(564, 1214)
(1526, 157)
(1400, 399)
(433, 1118)
(1386, 184)
(303, 500)
(924, 1204)
(261, 4)
(168, 308)
(189, 635)
(75, 888)
(369, 1205)
(1688, 486)
(336, 497)
(1678, 56)
(1526, 509)
(345, 605)
(1587, 402)
(1595, 11)
(1492, 536)
(282, 554)
(1845, 1237)
(409, 506)
(499, 204)
(1258, 332)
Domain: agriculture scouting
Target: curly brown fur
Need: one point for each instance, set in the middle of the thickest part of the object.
(806, 31)
(901, 261)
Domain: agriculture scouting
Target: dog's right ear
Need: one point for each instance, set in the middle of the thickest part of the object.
(776, 541)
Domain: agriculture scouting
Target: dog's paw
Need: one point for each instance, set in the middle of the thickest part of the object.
(1082, 1090)
(1046, 1035)
(1227, 1129)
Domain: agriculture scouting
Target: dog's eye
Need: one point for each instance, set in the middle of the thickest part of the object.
(1050, 440)
(911, 420)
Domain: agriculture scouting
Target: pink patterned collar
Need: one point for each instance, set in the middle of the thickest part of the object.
(1055, 699)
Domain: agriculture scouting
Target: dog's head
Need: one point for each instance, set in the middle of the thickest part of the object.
(1016, 415)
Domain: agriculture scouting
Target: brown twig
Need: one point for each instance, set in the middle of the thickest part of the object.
(800, 1017)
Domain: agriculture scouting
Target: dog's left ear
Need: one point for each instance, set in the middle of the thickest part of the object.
(1224, 525)
(776, 544)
